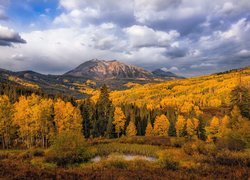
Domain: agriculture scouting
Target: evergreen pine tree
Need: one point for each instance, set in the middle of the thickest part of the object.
(103, 108)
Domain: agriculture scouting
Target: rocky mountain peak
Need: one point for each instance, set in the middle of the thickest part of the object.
(105, 69)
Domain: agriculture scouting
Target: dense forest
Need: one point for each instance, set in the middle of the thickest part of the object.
(205, 108)
(196, 127)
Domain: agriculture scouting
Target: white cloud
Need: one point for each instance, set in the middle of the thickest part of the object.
(228, 7)
(244, 53)
(170, 69)
(77, 16)
(202, 65)
(141, 36)
(82, 12)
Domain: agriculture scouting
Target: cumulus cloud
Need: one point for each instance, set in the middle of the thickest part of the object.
(86, 11)
(194, 37)
(8, 37)
(244, 53)
(170, 69)
(143, 36)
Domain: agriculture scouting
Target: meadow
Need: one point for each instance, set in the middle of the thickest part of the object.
(184, 160)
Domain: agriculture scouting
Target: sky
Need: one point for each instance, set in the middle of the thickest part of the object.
(187, 37)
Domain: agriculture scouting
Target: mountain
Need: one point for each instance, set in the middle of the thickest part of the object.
(102, 69)
(85, 78)
(162, 73)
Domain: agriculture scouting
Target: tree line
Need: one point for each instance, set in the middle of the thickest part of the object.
(35, 120)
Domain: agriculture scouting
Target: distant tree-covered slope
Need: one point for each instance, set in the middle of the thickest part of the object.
(184, 94)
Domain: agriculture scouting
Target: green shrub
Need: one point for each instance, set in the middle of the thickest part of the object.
(229, 158)
(168, 161)
(206, 148)
(232, 143)
(139, 164)
(199, 147)
(150, 140)
(178, 142)
(4, 155)
(115, 162)
(190, 148)
(38, 152)
(30, 153)
(69, 148)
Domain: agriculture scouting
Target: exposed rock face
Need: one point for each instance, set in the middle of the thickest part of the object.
(102, 69)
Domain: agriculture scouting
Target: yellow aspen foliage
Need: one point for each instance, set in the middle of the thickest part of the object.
(161, 126)
(67, 117)
(192, 127)
(225, 121)
(47, 130)
(197, 111)
(180, 126)
(6, 112)
(186, 107)
(213, 129)
(236, 118)
(224, 126)
(26, 117)
(119, 120)
(131, 129)
(149, 130)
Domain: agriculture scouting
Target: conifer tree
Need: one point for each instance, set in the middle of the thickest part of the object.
(240, 97)
(202, 130)
(87, 112)
(103, 108)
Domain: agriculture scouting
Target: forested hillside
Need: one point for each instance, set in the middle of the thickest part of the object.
(198, 121)
(203, 92)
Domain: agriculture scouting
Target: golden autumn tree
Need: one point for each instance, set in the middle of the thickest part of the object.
(149, 130)
(186, 108)
(161, 125)
(67, 117)
(224, 126)
(131, 129)
(119, 120)
(192, 127)
(236, 118)
(26, 117)
(213, 129)
(6, 125)
(47, 129)
(180, 126)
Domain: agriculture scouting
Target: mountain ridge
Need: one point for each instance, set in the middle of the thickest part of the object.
(113, 73)
(102, 69)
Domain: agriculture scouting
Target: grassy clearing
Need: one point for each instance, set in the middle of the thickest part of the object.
(193, 160)
(135, 149)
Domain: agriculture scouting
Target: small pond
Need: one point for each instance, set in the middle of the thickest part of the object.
(127, 157)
